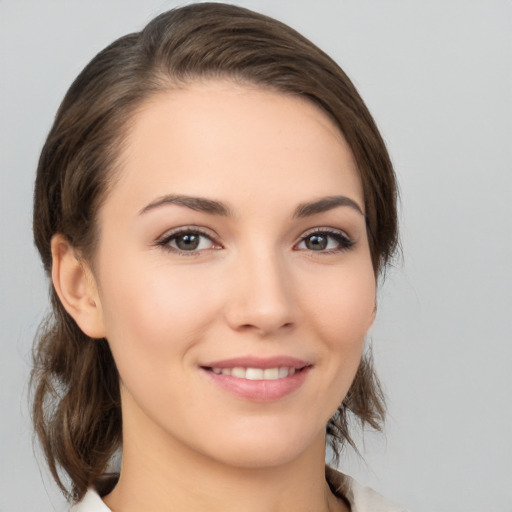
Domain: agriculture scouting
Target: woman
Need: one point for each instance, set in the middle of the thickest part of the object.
(214, 205)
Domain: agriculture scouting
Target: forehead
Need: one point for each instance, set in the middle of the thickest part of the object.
(217, 137)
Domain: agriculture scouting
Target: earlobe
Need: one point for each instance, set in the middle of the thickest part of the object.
(76, 287)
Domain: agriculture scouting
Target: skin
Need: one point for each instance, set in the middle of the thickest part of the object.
(254, 287)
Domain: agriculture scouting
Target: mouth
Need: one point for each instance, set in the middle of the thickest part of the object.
(251, 373)
(256, 379)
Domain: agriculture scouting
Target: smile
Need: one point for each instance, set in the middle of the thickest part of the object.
(258, 379)
(256, 373)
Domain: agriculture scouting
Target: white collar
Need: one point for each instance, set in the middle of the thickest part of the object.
(361, 499)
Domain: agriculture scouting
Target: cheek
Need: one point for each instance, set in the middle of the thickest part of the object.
(341, 313)
(155, 312)
(152, 322)
(345, 307)
(338, 315)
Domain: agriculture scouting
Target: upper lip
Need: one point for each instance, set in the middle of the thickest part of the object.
(259, 362)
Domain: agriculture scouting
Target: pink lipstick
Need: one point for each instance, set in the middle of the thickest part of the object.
(258, 379)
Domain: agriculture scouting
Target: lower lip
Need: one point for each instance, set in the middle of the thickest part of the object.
(259, 390)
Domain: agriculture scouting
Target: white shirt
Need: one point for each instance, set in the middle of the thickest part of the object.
(361, 499)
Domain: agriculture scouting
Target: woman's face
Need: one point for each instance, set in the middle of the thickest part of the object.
(235, 284)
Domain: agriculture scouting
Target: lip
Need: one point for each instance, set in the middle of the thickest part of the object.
(259, 362)
(258, 390)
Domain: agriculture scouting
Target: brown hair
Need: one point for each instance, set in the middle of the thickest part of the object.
(76, 402)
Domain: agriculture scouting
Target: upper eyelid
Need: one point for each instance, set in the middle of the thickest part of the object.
(188, 229)
(343, 237)
(326, 230)
(203, 231)
(164, 241)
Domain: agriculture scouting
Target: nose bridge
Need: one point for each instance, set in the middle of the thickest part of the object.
(261, 296)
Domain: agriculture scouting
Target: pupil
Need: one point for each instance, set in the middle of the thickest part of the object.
(316, 242)
(187, 242)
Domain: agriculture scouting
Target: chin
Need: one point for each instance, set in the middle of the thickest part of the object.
(261, 448)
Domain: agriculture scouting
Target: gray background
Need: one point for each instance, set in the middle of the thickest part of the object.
(437, 76)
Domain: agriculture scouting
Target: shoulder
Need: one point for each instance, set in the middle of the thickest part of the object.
(365, 499)
(91, 502)
(361, 498)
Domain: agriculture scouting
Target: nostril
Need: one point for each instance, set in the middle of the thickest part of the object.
(265, 327)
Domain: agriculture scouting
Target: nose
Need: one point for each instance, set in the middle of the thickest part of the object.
(260, 295)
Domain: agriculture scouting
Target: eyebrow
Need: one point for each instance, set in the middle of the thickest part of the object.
(199, 204)
(325, 204)
(213, 207)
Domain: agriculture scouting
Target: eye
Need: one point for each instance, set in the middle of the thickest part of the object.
(187, 241)
(322, 240)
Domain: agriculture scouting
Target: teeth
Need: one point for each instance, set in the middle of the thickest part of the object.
(238, 372)
(282, 372)
(256, 373)
(270, 373)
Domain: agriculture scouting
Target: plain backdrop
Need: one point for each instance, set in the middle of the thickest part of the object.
(437, 77)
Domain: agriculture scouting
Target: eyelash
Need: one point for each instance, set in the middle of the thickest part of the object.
(165, 241)
(342, 239)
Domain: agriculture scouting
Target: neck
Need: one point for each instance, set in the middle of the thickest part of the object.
(162, 474)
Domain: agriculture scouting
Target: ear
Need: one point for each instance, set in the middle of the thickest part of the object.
(76, 287)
